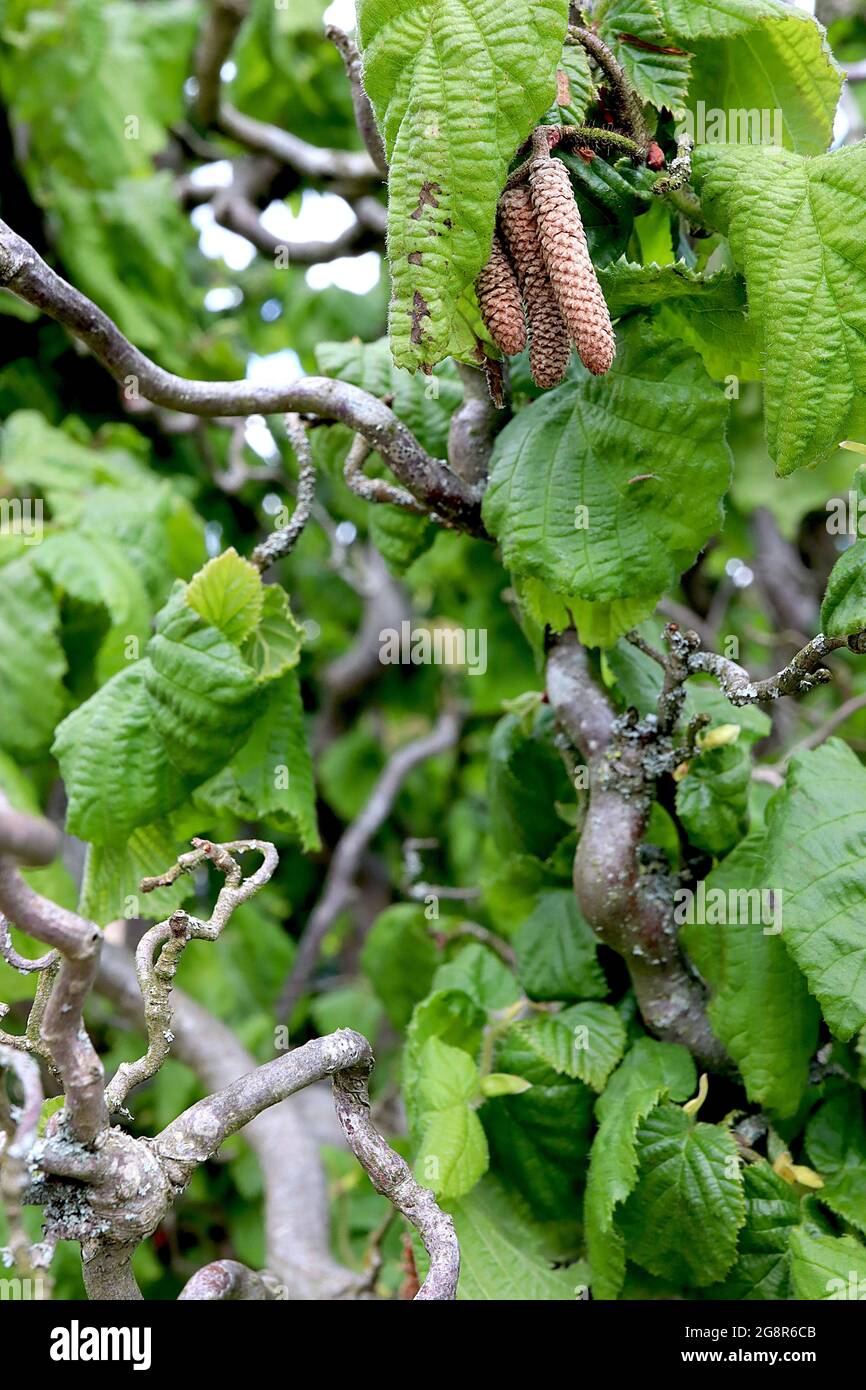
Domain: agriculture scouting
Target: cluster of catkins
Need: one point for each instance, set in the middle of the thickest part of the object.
(540, 263)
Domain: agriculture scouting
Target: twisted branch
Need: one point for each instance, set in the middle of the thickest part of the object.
(24, 272)
(347, 1058)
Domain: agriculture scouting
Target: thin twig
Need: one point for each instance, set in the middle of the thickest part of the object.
(365, 118)
(171, 937)
(281, 542)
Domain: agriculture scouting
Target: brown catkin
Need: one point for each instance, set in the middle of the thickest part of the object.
(567, 258)
(500, 303)
(549, 345)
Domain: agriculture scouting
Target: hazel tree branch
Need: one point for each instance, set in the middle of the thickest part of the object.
(62, 1026)
(365, 118)
(227, 1281)
(281, 542)
(283, 1138)
(628, 904)
(170, 938)
(216, 40)
(310, 161)
(24, 272)
(346, 1057)
(626, 98)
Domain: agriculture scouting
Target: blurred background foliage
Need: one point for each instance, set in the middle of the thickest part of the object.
(96, 135)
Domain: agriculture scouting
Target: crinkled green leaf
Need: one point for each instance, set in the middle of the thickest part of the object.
(539, 1139)
(456, 86)
(556, 951)
(626, 448)
(793, 225)
(823, 807)
(503, 1256)
(658, 76)
(584, 1042)
(827, 1267)
(399, 958)
(227, 592)
(760, 1008)
(682, 1218)
(713, 797)
(452, 1153)
(111, 887)
(707, 311)
(844, 608)
(275, 645)
(759, 56)
(31, 660)
(482, 975)
(650, 1071)
(763, 1267)
(525, 779)
(836, 1146)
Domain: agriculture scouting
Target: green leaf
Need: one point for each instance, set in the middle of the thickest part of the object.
(114, 766)
(584, 1042)
(452, 1153)
(525, 779)
(763, 1267)
(827, 1267)
(203, 694)
(271, 775)
(574, 62)
(26, 666)
(651, 1070)
(228, 594)
(759, 56)
(503, 1255)
(453, 1018)
(823, 805)
(660, 78)
(681, 1220)
(482, 975)
(792, 227)
(275, 645)
(95, 570)
(502, 1083)
(351, 1007)
(707, 311)
(556, 951)
(456, 88)
(713, 798)
(760, 1008)
(844, 608)
(134, 750)
(399, 959)
(585, 482)
(539, 1140)
(111, 887)
(400, 536)
(836, 1146)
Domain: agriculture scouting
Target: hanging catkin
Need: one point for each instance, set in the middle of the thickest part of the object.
(572, 274)
(549, 346)
(500, 303)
